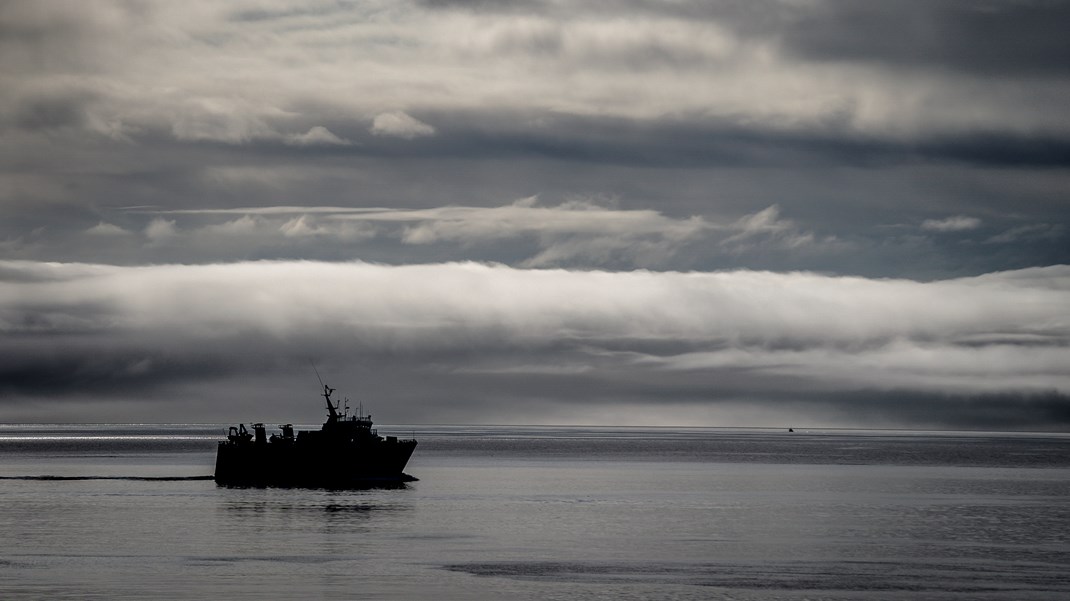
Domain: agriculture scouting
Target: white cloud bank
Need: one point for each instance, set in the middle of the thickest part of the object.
(767, 334)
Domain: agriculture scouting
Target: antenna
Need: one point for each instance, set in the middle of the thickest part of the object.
(316, 370)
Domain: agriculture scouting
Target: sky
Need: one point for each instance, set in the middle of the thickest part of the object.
(808, 213)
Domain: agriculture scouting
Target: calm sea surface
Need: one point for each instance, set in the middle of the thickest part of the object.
(123, 512)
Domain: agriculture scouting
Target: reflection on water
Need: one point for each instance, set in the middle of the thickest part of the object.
(306, 506)
(135, 478)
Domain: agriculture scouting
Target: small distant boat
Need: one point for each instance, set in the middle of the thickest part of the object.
(791, 429)
(345, 453)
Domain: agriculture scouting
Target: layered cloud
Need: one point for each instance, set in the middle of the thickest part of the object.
(578, 232)
(236, 73)
(712, 110)
(151, 154)
(587, 232)
(461, 331)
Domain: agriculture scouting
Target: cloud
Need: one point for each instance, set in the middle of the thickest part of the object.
(1036, 231)
(766, 227)
(575, 217)
(106, 229)
(227, 120)
(941, 367)
(304, 226)
(242, 226)
(694, 337)
(959, 35)
(798, 65)
(160, 230)
(400, 125)
(689, 135)
(317, 136)
(578, 230)
(958, 223)
(586, 230)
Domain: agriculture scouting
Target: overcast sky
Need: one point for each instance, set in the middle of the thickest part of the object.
(739, 213)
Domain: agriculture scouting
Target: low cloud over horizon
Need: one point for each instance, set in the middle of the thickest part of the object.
(431, 342)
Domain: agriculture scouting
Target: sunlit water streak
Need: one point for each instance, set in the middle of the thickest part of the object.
(125, 511)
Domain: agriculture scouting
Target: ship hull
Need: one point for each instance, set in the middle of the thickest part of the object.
(344, 465)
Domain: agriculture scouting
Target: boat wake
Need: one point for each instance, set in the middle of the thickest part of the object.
(142, 478)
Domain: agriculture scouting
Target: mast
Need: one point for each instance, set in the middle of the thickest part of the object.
(330, 408)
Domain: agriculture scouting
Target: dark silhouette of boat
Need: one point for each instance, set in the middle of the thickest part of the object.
(345, 453)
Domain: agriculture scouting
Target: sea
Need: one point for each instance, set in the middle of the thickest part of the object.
(129, 511)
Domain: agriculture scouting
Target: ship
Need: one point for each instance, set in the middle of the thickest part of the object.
(347, 452)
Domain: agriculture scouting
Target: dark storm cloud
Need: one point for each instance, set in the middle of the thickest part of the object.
(704, 142)
(973, 36)
(683, 142)
(46, 111)
(678, 142)
(991, 411)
